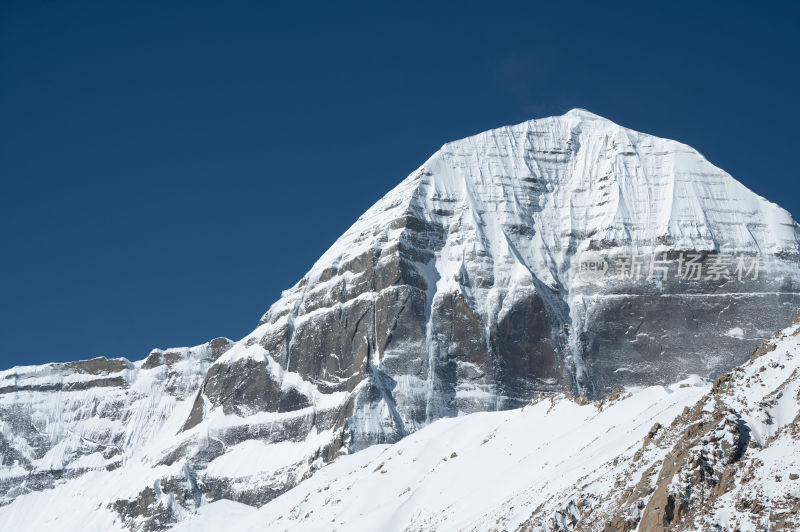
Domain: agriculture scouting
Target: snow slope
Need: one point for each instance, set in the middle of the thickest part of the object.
(548, 446)
(559, 463)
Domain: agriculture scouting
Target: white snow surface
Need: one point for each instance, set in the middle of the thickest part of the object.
(503, 459)
(468, 472)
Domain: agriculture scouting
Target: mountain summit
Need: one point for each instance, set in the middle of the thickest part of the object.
(566, 254)
(459, 290)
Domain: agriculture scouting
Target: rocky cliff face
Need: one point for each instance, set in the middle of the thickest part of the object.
(464, 289)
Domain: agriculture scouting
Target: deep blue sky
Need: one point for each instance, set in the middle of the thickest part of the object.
(167, 169)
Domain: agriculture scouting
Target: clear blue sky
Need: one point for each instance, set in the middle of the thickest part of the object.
(167, 168)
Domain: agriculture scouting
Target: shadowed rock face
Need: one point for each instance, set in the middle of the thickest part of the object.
(243, 388)
(653, 339)
(525, 342)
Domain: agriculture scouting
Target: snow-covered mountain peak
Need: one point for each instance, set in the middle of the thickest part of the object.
(457, 292)
(576, 180)
(522, 200)
(583, 114)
